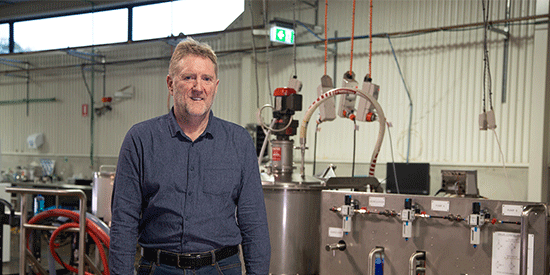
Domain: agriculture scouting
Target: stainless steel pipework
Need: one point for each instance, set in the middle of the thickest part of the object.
(412, 261)
(374, 251)
(524, 242)
(341, 245)
(24, 225)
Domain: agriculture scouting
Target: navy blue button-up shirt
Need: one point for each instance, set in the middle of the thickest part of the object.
(187, 196)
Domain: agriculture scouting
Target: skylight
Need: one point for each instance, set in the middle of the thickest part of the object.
(184, 16)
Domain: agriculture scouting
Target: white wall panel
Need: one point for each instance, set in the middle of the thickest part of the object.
(443, 71)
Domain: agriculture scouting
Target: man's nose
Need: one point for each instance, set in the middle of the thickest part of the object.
(199, 84)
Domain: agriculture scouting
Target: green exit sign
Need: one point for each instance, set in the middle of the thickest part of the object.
(281, 35)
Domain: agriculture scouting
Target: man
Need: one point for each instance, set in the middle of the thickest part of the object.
(187, 186)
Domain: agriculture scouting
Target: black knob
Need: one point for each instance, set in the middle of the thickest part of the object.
(408, 203)
(476, 207)
(347, 200)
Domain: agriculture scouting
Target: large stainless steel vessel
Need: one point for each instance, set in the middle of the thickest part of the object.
(293, 211)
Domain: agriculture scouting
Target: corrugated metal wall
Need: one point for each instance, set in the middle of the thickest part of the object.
(443, 71)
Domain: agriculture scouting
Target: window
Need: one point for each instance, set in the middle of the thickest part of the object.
(4, 38)
(149, 22)
(72, 31)
(184, 16)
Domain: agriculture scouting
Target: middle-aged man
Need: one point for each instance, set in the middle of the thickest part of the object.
(187, 185)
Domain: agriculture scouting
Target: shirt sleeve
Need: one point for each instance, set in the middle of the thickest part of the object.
(252, 217)
(125, 208)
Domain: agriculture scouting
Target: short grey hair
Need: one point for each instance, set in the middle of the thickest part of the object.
(190, 46)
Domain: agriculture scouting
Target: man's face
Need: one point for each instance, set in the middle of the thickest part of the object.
(193, 86)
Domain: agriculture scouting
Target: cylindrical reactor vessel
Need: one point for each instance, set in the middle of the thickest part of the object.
(281, 156)
(293, 212)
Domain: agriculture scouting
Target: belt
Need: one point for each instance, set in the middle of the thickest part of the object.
(188, 260)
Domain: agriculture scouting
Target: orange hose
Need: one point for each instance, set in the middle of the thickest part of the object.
(72, 268)
(352, 37)
(326, 39)
(370, 41)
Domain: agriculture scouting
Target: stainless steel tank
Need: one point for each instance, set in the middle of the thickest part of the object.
(293, 212)
(102, 190)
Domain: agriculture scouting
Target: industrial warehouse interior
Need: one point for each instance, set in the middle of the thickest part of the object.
(390, 136)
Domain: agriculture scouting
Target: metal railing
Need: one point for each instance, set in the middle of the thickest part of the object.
(24, 225)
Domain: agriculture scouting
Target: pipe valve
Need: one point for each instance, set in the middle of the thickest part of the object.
(340, 245)
(347, 211)
(407, 216)
(476, 220)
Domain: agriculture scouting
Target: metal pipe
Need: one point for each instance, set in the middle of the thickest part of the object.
(28, 87)
(524, 241)
(505, 51)
(335, 67)
(310, 43)
(82, 221)
(35, 264)
(48, 227)
(412, 261)
(371, 263)
(340, 245)
(32, 100)
(22, 232)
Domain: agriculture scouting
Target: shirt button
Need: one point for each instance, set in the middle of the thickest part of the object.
(190, 193)
(192, 168)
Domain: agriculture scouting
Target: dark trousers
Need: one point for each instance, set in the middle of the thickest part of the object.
(227, 266)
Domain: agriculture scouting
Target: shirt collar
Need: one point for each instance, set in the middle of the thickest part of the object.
(174, 127)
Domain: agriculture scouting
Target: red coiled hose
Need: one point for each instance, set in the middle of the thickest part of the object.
(98, 235)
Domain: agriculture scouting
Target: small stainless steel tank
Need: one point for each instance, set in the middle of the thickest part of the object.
(102, 190)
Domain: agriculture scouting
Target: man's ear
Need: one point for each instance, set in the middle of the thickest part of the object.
(169, 83)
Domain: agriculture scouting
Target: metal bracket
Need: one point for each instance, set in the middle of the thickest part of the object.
(86, 56)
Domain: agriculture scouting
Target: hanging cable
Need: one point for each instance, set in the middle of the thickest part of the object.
(370, 41)
(408, 94)
(255, 56)
(486, 67)
(392, 159)
(502, 156)
(267, 53)
(266, 140)
(352, 36)
(354, 146)
(326, 38)
(294, 44)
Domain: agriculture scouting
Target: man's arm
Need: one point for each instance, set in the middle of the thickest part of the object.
(252, 216)
(126, 208)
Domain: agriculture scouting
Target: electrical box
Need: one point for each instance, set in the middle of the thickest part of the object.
(459, 182)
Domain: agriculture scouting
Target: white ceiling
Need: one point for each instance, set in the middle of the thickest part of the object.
(30, 9)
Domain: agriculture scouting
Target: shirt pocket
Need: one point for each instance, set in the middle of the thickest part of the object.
(218, 188)
(221, 181)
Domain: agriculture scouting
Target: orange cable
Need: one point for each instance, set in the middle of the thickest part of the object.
(326, 40)
(370, 41)
(352, 35)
